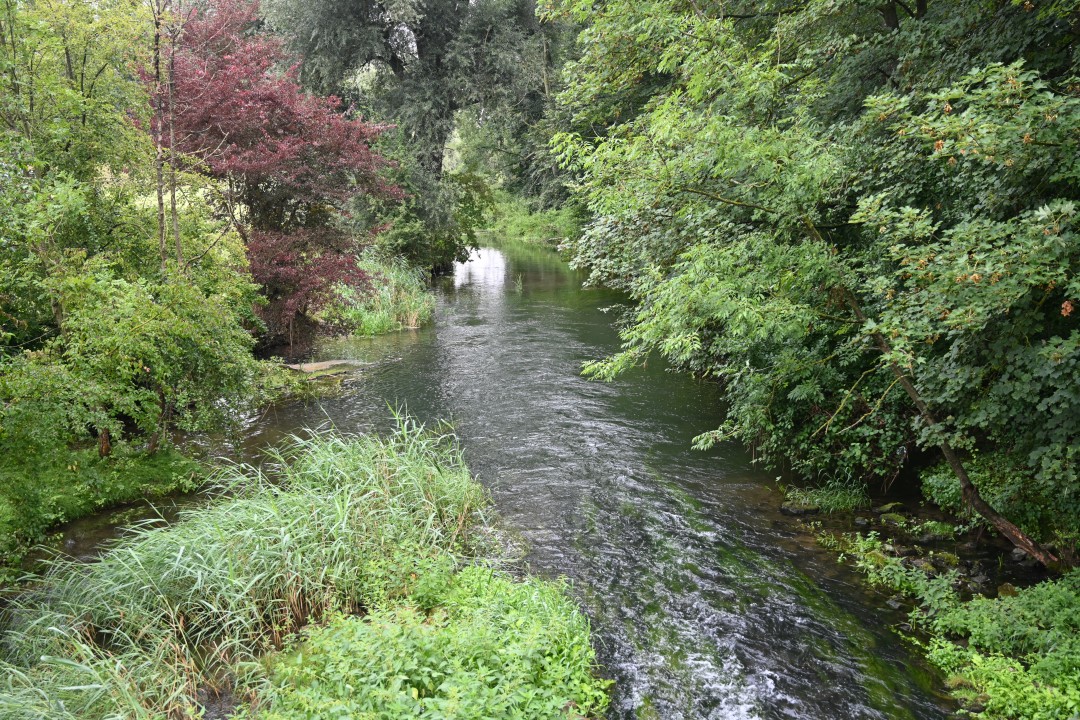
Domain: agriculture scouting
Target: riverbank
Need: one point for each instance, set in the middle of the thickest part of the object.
(513, 217)
(56, 472)
(1003, 631)
(356, 542)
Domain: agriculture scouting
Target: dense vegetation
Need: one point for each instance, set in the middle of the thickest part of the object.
(170, 200)
(358, 555)
(1012, 656)
(861, 219)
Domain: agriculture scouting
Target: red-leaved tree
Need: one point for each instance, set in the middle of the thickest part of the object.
(231, 104)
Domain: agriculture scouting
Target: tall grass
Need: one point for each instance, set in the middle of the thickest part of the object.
(171, 616)
(835, 495)
(398, 298)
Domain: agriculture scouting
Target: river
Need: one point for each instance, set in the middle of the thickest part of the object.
(705, 601)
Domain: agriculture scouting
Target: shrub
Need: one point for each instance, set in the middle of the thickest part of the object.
(1018, 656)
(1008, 486)
(492, 648)
(398, 298)
(1021, 654)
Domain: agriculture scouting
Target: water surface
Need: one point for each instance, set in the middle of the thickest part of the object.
(705, 602)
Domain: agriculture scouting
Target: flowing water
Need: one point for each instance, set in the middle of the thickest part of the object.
(705, 602)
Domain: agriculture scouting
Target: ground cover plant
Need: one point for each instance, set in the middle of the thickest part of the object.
(1015, 656)
(336, 528)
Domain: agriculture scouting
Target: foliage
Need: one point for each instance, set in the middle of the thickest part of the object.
(73, 114)
(427, 66)
(1051, 517)
(1016, 655)
(340, 527)
(480, 646)
(291, 160)
(40, 489)
(860, 219)
(399, 299)
(1022, 652)
(104, 348)
(835, 495)
(133, 357)
(513, 218)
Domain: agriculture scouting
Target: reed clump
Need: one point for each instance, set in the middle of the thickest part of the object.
(397, 299)
(169, 617)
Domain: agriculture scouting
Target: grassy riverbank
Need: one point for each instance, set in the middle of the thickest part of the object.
(355, 548)
(512, 218)
(398, 299)
(39, 490)
(1007, 652)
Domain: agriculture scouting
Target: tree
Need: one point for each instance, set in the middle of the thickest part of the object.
(800, 195)
(419, 64)
(290, 161)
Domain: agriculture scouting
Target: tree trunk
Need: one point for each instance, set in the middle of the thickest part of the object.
(172, 186)
(163, 423)
(104, 443)
(159, 151)
(890, 15)
(971, 494)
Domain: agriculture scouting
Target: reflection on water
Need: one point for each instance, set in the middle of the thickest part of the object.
(486, 269)
(705, 602)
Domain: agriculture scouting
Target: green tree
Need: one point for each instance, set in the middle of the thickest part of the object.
(420, 64)
(799, 195)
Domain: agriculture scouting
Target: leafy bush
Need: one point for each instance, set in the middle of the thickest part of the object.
(491, 648)
(1021, 655)
(1016, 655)
(1043, 512)
(398, 298)
(39, 491)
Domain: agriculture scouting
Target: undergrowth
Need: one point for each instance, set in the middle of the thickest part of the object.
(477, 645)
(342, 527)
(833, 496)
(1012, 657)
(514, 219)
(40, 489)
(397, 299)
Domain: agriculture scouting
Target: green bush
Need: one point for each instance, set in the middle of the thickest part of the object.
(493, 648)
(1016, 655)
(1004, 482)
(1020, 654)
(398, 298)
